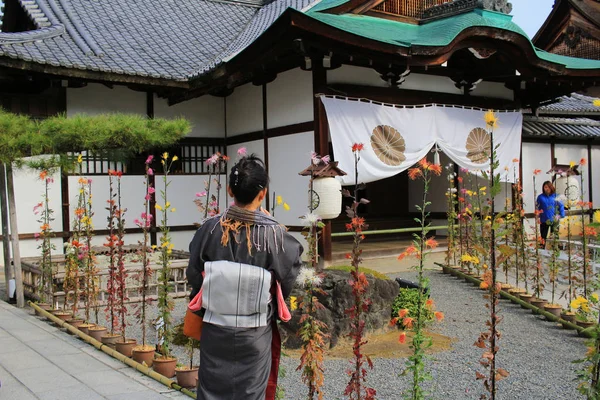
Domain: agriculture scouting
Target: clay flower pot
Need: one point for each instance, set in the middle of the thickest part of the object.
(584, 324)
(126, 347)
(539, 303)
(75, 323)
(526, 297)
(110, 339)
(554, 309)
(569, 317)
(143, 354)
(165, 366)
(97, 332)
(85, 328)
(43, 306)
(187, 377)
(515, 292)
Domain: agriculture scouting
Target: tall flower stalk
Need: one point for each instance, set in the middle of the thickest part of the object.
(111, 244)
(420, 247)
(488, 340)
(121, 273)
(539, 273)
(584, 237)
(451, 214)
(46, 287)
(145, 222)
(165, 303)
(312, 330)
(357, 388)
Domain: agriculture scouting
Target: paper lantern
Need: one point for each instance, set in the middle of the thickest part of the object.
(567, 189)
(327, 197)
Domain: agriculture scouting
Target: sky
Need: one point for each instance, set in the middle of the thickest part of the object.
(531, 14)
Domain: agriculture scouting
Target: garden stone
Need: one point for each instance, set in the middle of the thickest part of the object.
(337, 299)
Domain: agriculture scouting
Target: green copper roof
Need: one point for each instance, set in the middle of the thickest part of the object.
(440, 32)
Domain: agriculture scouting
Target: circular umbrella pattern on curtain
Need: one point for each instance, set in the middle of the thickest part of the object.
(479, 146)
(388, 145)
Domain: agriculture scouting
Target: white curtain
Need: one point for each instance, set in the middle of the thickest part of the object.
(395, 138)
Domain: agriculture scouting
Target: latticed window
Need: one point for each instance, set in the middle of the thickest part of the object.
(408, 8)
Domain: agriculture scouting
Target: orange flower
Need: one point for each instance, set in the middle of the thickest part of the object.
(402, 313)
(408, 322)
(439, 315)
(537, 171)
(45, 227)
(515, 160)
(402, 338)
(357, 147)
(436, 169)
(79, 212)
(590, 231)
(349, 227)
(410, 250)
(358, 222)
(484, 285)
(423, 163)
(431, 243)
(459, 179)
(582, 162)
(348, 255)
(429, 304)
(414, 173)
(43, 174)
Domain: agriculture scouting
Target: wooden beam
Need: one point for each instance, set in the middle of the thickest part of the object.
(16, 252)
(271, 133)
(5, 238)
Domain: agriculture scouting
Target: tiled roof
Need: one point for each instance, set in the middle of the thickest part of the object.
(572, 105)
(169, 39)
(563, 128)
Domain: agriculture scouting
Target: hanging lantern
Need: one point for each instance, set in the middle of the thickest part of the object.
(567, 188)
(325, 196)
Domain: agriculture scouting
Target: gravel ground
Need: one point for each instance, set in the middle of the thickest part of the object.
(537, 353)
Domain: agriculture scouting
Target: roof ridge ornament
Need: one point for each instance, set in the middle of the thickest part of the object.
(502, 6)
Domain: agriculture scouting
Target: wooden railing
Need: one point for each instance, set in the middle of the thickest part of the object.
(178, 283)
(408, 8)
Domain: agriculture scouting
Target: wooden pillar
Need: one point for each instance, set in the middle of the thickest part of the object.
(64, 197)
(321, 134)
(265, 139)
(152, 179)
(14, 230)
(5, 230)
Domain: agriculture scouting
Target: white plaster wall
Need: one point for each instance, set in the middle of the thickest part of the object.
(289, 155)
(596, 175)
(303, 242)
(290, 98)
(97, 99)
(256, 146)
(567, 153)
(244, 110)
(369, 77)
(182, 240)
(206, 114)
(535, 156)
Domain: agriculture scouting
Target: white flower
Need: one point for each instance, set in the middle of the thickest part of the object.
(452, 190)
(308, 277)
(310, 219)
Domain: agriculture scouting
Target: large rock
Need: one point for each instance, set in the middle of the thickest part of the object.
(337, 299)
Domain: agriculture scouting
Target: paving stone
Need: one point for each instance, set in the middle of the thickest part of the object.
(23, 360)
(53, 348)
(11, 388)
(31, 333)
(145, 395)
(109, 383)
(44, 379)
(76, 364)
(76, 392)
(103, 357)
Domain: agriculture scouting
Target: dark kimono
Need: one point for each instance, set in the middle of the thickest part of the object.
(235, 363)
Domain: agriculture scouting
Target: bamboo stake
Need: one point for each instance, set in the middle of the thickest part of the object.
(15, 236)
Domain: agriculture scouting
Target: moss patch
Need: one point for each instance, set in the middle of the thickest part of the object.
(368, 271)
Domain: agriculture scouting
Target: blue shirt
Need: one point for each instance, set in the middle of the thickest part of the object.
(548, 205)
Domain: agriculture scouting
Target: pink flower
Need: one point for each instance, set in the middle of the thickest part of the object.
(151, 190)
(241, 152)
(200, 194)
(36, 235)
(150, 172)
(213, 159)
(89, 180)
(464, 170)
(49, 180)
(137, 222)
(326, 159)
(147, 197)
(149, 159)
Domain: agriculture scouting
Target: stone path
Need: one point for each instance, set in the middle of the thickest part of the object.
(39, 361)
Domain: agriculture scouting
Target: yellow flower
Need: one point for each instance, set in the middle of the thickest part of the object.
(171, 246)
(165, 155)
(597, 216)
(168, 204)
(572, 164)
(490, 119)
(173, 209)
(175, 158)
(466, 258)
(595, 297)
(293, 302)
(80, 159)
(482, 188)
(597, 102)
(279, 200)
(154, 247)
(158, 207)
(286, 207)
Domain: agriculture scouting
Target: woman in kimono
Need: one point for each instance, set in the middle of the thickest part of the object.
(239, 258)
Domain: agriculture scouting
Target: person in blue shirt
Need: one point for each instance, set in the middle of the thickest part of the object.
(551, 210)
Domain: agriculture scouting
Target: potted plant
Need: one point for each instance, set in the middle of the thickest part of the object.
(585, 315)
(165, 364)
(187, 375)
(144, 353)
